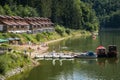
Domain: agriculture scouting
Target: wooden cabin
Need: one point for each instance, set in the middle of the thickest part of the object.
(16, 24)
(38, 24)
(23, 26)
(13, 24)
(34, 25)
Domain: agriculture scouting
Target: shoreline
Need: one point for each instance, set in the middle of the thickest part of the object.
(43, 49)
(34, 53)
(18, 70)
(51, 41)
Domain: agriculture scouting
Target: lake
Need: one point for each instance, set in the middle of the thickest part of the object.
(78, 69)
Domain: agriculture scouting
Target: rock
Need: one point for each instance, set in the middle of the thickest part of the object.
(2, 78)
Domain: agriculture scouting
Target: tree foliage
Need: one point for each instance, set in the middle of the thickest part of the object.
(104, 10)
(113, 21)
(69, 13)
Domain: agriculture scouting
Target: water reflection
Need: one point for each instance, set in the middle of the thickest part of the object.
(110, 38)
(54, 61)
(87, 61)
(76, 44)
(79, 69)
(103, 61)
(113, 60)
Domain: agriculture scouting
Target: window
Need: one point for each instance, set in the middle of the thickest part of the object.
(22, 26)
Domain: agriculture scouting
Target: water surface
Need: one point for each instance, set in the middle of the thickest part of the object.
(78, 69)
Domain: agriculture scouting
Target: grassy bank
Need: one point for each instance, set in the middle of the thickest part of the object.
(11, 60)
(17, 58)
(59, 32)
(15, 62)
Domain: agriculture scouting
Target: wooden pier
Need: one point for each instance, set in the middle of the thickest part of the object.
(55, 55)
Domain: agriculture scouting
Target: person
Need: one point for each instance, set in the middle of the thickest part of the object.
(30, 53)
(25, 51)
(38, 48)
(29, 42)
(29, 48)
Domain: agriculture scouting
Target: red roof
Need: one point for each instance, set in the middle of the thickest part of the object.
(101, 47)
(7, 23)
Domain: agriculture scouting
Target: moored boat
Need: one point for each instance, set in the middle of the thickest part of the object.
(112, 51)
(101, 51)
(87, 55)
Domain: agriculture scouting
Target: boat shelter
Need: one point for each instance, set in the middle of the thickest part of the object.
(3, 40)
(14, 40)
(101, 51)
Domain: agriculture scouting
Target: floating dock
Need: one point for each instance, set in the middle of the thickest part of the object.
(55, 55)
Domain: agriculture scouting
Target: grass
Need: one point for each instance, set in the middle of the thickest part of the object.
(16, 57)
(11, 60)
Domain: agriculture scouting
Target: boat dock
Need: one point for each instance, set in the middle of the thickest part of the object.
(55, 55)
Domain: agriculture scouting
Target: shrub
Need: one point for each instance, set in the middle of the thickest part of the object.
(5, 35)
(2, 67)
(68, 31)
(60, 30)
(38, 37)
(3, 64)
(4, 45)
(29, 37)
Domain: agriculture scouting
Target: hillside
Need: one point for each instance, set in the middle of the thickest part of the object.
(73, 14)
(107, 11)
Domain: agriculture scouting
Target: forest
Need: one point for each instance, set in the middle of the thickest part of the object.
(88, 15)
(107, 11)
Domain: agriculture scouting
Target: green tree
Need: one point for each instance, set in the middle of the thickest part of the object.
(7, 10)
(2, 12)
(29, 11)
(113, 21)
(45, 8)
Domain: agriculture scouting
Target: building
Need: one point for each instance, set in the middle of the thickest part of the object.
(38, 24)
(16, 24)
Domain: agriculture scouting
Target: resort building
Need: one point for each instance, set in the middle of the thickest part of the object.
(16, 24)
(38, 24)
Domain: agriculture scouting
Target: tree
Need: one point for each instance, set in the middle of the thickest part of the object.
(7, 10)
(2, 12)
(113, 21)
(29, 11)
(75, 14)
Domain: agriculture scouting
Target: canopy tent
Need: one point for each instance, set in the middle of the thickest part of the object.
(101, 47)
(13, 39)
(3, 40)
(10, 39)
